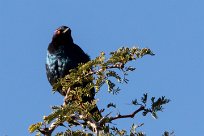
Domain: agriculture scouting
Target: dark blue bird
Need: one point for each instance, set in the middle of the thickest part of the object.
(63, 55)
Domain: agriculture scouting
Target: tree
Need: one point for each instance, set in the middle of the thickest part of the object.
(97, 73)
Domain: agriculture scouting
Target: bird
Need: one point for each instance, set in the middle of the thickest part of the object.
(62, 56)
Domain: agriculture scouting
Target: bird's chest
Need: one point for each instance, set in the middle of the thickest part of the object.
(59, 64)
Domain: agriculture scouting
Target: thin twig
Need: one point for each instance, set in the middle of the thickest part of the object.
(128, 115)
(48, 131)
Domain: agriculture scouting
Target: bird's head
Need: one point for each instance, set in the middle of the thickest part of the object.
(62, 35)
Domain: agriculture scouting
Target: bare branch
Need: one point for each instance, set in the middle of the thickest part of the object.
(128, 115)
(48, 131)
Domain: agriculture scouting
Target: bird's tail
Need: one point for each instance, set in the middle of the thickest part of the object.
(96, 113)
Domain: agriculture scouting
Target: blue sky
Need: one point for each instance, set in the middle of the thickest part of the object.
(173, 29)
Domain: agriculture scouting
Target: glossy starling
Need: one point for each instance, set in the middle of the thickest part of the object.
(63, 55)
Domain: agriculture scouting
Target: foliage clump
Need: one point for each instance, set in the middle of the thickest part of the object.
(97, 73)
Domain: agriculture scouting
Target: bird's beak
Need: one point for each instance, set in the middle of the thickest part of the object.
(65, 30)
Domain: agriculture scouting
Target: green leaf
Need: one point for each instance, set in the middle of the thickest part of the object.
(135, 102)
(154, 115)
(111, 105)
(35, 127)
(144, 98)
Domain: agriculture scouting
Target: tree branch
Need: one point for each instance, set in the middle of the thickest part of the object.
(48, 131)
(128, 115)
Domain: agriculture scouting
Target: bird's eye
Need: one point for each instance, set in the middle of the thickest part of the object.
(57, 32)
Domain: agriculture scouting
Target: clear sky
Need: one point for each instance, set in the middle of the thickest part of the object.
(173, 29)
